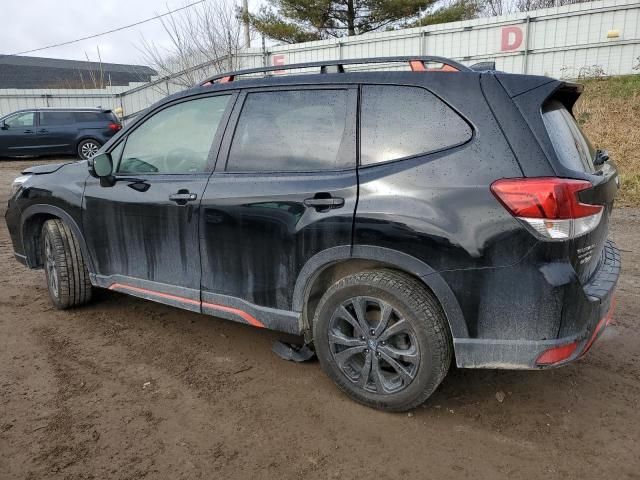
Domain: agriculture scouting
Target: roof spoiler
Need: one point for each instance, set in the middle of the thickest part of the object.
(483, 66)
(568, 93)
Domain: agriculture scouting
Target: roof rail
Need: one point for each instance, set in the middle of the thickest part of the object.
(417, 64)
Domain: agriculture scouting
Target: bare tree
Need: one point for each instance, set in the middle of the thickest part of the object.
(97, 78)
(202, 40)
(504, 7)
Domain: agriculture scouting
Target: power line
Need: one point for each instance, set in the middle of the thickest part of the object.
(104, 33)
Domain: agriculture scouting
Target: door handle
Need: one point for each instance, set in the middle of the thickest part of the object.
(182, 197)
(324, 202)
(28, 131)
(43, 130)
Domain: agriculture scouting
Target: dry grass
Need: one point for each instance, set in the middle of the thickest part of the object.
(609, 113)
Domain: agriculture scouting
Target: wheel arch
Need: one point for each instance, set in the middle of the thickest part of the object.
(328, 266)
(87, 136)
(31, 222)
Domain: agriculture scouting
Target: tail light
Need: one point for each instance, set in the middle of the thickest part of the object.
(115, 127)
(557, 354)
(549, 205)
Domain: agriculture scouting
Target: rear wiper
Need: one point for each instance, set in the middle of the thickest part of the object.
(601, 157)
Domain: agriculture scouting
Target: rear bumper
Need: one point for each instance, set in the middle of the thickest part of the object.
(594, 307)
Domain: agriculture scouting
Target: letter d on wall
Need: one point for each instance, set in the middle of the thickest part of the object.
(511, 38)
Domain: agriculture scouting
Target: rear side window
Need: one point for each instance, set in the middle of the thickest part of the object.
(50, 119)
(571, 145)
(398, 122)
(85, 117)
(302, 130)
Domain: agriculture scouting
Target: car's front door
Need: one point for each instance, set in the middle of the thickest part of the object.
(284, 189)
(18, 134)
(142, 232)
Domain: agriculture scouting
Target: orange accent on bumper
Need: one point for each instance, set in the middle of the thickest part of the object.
(250, 319)
(602, 324)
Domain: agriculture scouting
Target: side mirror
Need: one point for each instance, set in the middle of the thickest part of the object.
(101, 166)
(4, 126)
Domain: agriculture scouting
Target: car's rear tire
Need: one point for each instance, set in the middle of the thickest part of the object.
(88, 148)
(393, 365)
(64, 265)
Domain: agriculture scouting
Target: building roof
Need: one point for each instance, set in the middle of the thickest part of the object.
(73, 64)
(37, 72)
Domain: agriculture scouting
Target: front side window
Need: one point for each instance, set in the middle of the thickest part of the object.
(303, 130)
(21, 120)
(398, 122)
(175, 140)
(51, 119)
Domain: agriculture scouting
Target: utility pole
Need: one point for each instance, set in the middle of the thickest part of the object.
(245, 22)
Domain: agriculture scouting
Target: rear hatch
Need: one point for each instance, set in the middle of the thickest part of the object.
(577, 158)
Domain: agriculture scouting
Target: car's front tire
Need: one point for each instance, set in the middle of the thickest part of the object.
(88, 148)
(383, 338)
(64, 266)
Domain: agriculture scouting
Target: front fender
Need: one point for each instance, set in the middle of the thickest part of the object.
(52, 210)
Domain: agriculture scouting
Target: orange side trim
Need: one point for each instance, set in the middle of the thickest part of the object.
(417, 66)
(444, 68)
(250, 319)
(119, 286)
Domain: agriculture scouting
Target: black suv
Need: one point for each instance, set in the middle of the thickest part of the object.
(396, 219)
(56, 131)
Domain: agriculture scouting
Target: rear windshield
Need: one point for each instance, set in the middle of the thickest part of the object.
(571, 145)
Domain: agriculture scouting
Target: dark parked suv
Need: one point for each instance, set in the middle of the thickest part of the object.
(396, 219)
(55, 131)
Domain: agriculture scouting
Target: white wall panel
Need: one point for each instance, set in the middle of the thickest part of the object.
(559, 41)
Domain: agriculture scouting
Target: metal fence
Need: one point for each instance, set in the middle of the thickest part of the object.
(571, 41)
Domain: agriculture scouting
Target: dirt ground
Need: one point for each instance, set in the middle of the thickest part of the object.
(129, 389)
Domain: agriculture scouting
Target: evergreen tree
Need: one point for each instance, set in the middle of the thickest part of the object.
(454, 12)
(293, 21)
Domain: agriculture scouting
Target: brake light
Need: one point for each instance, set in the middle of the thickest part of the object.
(549, 205)
(115, 126)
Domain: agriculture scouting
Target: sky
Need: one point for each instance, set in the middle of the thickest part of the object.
(29, 24)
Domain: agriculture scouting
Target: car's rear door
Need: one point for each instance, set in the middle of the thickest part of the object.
(57, 131)
(142, 232)
(284, 189)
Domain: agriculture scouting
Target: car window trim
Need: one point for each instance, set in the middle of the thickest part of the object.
(417, 155)
(225, 149)
(217, 138)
